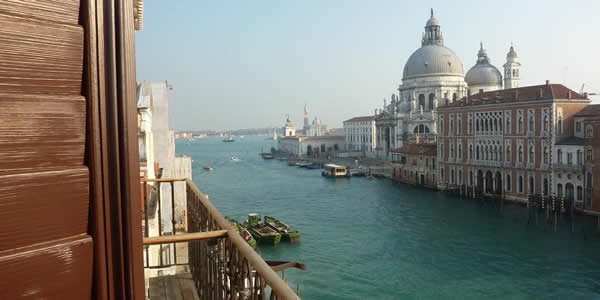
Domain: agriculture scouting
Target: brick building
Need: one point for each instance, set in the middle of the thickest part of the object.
(415, 163)
(506, 142)
(587, 126)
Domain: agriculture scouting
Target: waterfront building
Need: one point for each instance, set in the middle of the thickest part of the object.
(360, 134)
(156, 142)
(434, 72)
(415, 163)
(288, 129)
(507, 142)
(587, 126)
(312, 146)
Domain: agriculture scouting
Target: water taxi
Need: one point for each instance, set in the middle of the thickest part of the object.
(286, 231)
(331, 170)
(261, 232)
(243, 232)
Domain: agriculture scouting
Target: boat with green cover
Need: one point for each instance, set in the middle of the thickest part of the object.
(261, 232)
(243, 232)
(286, 231)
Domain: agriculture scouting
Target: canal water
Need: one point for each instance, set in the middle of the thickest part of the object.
(371, 239)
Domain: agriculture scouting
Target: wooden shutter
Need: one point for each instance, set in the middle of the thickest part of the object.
(45, 249)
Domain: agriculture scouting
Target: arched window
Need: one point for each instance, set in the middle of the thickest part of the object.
(452, 176)
(487, 153)
(431, 100)
(454, 97)
(545, 186)
(520, 184)
(531, 186)
(531, 123)
(589, 131)
(460, 176)
(531, 154)
(559, 127)
(545, 154)
(507, 182)
(508, 124)
(471, 178)
(508, 154)
(579, 157)
(520, 153)
(495, 153)
(579, 193)
(588, 180)
(421, 101)
(470, 151)
(452, 150)
(520, 124)
(477, 153)
(460, 156)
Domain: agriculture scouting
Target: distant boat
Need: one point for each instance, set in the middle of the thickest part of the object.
(207, 168)
(266, 155)
(235, 158)
(229, 139)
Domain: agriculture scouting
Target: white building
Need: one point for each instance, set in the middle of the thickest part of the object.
(312, 146)
(289, 129)
(360, 134)
(158, 160)
(433, 73)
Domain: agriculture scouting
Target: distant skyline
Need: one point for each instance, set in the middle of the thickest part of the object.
(246, 64)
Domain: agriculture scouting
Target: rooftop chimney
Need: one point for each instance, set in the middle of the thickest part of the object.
(547, 82)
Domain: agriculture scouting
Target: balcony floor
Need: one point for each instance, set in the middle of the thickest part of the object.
(173, 287)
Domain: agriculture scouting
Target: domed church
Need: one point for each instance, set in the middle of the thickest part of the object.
(432, 73)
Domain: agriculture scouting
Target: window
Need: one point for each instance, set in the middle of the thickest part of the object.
(508, 182)
(454, 96)
(546, 121)
(569, 158)
(451, 126)
(471, 178)
(519, 122)
(559, 156)
(520, 184)
(520, 158)
(579, 157)
(507, 129)
(477, 152)
(531, 154)
(421, 102)
(470, 151)
(441, 125)
(451, 150)
(588, 154)
(442, 173)
(531, 186)
(470, 123)
(559, 190)
(531, 125)
(545, 154)
(589, 131)
(452, 176)
(431, 100)
(459, 124)
(460, 156)
(559, 127)
(579, 193)
(508, 154)
(460, 177)
(578, 126)
(588, 180)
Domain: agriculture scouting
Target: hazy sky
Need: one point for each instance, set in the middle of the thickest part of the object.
(243, 64)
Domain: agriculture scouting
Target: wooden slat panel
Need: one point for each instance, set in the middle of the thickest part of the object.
(40, 58)
(42, 206)
(58, 270)
(41, 131)
(64, 11)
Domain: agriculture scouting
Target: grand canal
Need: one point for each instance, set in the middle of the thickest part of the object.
(371, 239)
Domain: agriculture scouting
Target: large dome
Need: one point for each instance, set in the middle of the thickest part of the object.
(433, 60)
(483, 72)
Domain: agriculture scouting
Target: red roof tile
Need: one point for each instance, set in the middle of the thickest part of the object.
(528, 93)
(592, 110)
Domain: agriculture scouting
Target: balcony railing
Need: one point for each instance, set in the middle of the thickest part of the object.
(221, 263)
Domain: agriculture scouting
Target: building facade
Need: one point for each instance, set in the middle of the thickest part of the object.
(311, 146)
(415, 163)
(587, 126)
(507, 142)
(360, 134)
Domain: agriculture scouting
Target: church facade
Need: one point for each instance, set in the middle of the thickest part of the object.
(432, 73)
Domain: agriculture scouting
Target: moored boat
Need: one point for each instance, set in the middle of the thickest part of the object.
(243, 232)
(267, 155)
(312, 166)
(286, 231)
(331, 170)
(260, 231)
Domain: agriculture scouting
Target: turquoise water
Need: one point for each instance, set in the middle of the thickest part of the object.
(371, 239)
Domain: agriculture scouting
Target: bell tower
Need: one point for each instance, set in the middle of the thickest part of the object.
(511, 70)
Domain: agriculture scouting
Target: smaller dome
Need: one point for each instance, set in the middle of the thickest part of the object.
(483, 72)
(511, 56)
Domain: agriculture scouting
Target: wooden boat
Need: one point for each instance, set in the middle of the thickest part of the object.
(207, 168)
(331, 170)
(261, 232)
(243, 232)
(286, 231)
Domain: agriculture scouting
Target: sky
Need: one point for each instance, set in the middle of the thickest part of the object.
(246, 64)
